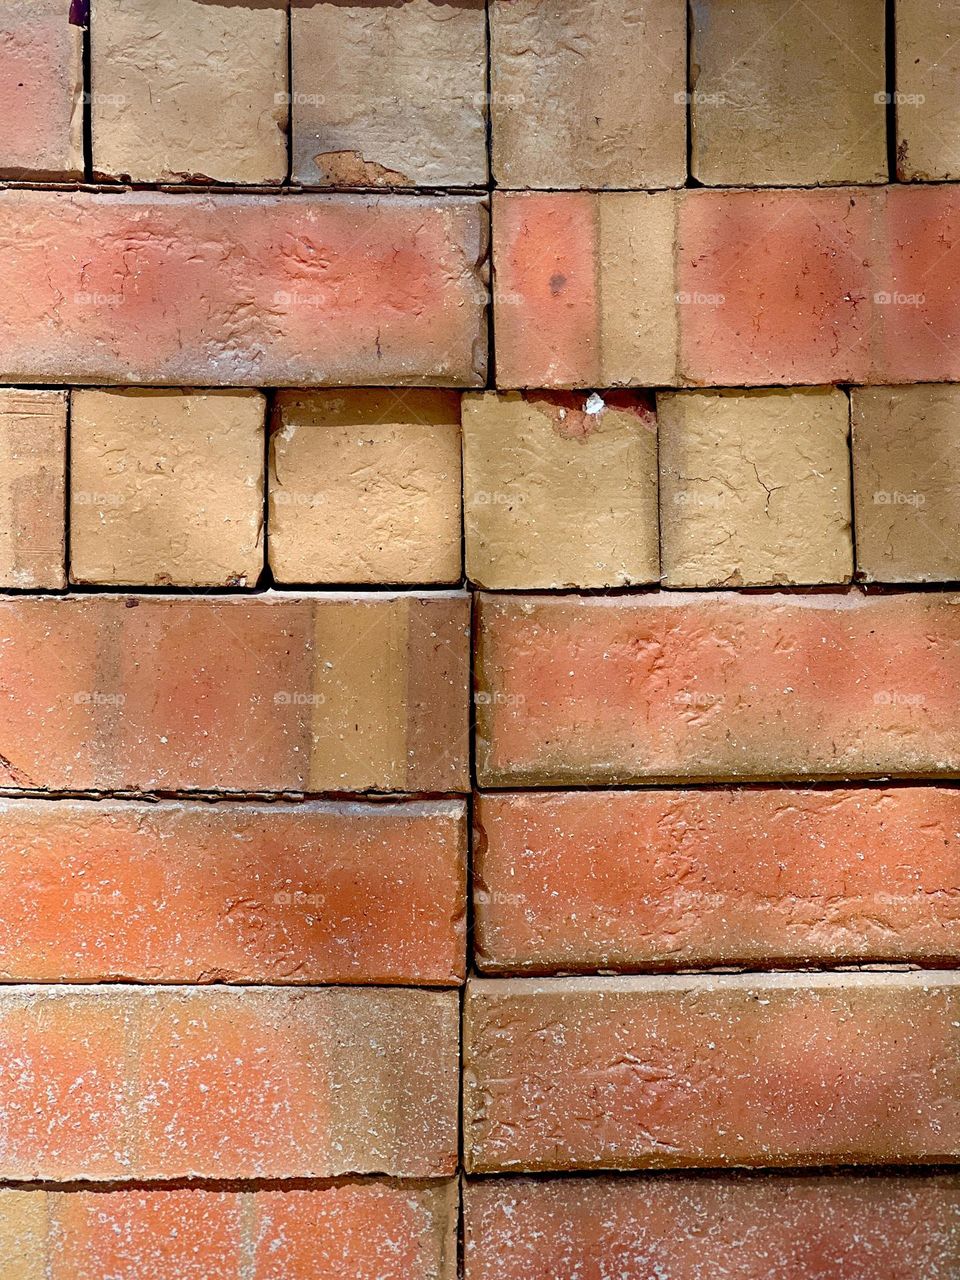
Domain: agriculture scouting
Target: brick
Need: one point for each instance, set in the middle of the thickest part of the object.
(755, 488)
(277, 693)
(33, 450)
(716, 687)
(560, 490)
(927, 111)
(774, 1070)
(161, 67)
(231, 290)
(626, 880)
(588, 95)
(166, 487)
(41, 91)
(325, 891)
(114, 1082)
(787, 95)
(23, 1235)
(835, 1227)
(365, 487)
(389, 95)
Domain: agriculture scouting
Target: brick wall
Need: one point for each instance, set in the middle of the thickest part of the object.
(479, 640)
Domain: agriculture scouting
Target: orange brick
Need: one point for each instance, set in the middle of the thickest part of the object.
(33, 465)
(627, 880)
(716, 687)
(307, 893)
(775, 1070)
(41, 90)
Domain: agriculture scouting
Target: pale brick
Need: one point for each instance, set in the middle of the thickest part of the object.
(33, 463)
(927, 106)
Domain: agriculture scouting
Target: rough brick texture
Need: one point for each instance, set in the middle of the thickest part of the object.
(33, 450)
(41, 91)
(334, 693)
(927, 110)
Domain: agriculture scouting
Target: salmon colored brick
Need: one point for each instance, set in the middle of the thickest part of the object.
(628, 880)
(833, 1227)
(323, 891)
(117, 1082)
(41, 90)
(233, 290)
(716, 687)
(33, 465)
(275, 693)
(659, 1073)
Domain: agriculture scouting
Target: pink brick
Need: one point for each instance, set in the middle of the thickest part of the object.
(41, 88)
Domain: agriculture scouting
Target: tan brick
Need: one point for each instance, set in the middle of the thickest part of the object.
(758, 1070)
(365, 487)
(33, 463)
(23, 1235)
(927, 108)
(166, 487)
(560, 490)
(41, 90)
(389, 95)
(185, 90)
(755, 488)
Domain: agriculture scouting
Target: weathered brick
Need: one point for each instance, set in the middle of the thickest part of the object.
(166, 487)
(716, 687)
(927, 110)
(23, 1235)
(755, 488)
(775, 1070)
(233, 290)
(33, 463)
(834, 1227)
(389, 95)
(41, 90)
(306, 893)
(185, 90)
(588, 95)
(115, 1082)
(277, 693)
(626, 880)
(560, 489)
(786, 94)
(365, 487)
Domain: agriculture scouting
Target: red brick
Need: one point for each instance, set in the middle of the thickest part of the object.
(41, 88)
(835, 1227)
(277, 693)
(775, 1070)
(623, 880)
(172, 1082)
(227, 290)
(308, 893)
(717, 687)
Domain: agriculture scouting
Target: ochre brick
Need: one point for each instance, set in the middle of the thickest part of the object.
(184, 90)
(716, 687)
(775, 1070)
(234, 290)
(927, 109)
(41, 90)
(115, 1082)
(306, 893)
(33, 464)
(588, 95)
(278, 693)
(389, 95)
(833, 1227)
(23, 1235)
(626, 880)
(365, 487)
(560, 489)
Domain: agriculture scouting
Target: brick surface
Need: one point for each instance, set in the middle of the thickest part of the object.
(588, 95)
(716, 687)
(927, 110)
(788, 95)
(332, 693)
(755, 488)
(767, 1228)
(306, 893)
(166, 487)
(560, 490)
(171, 1082)
(41, 90)
(184, 90)
(627, 880)
(33, 450)
(389, 95)
(197, 290)
(622, 1073)
(365, 487)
